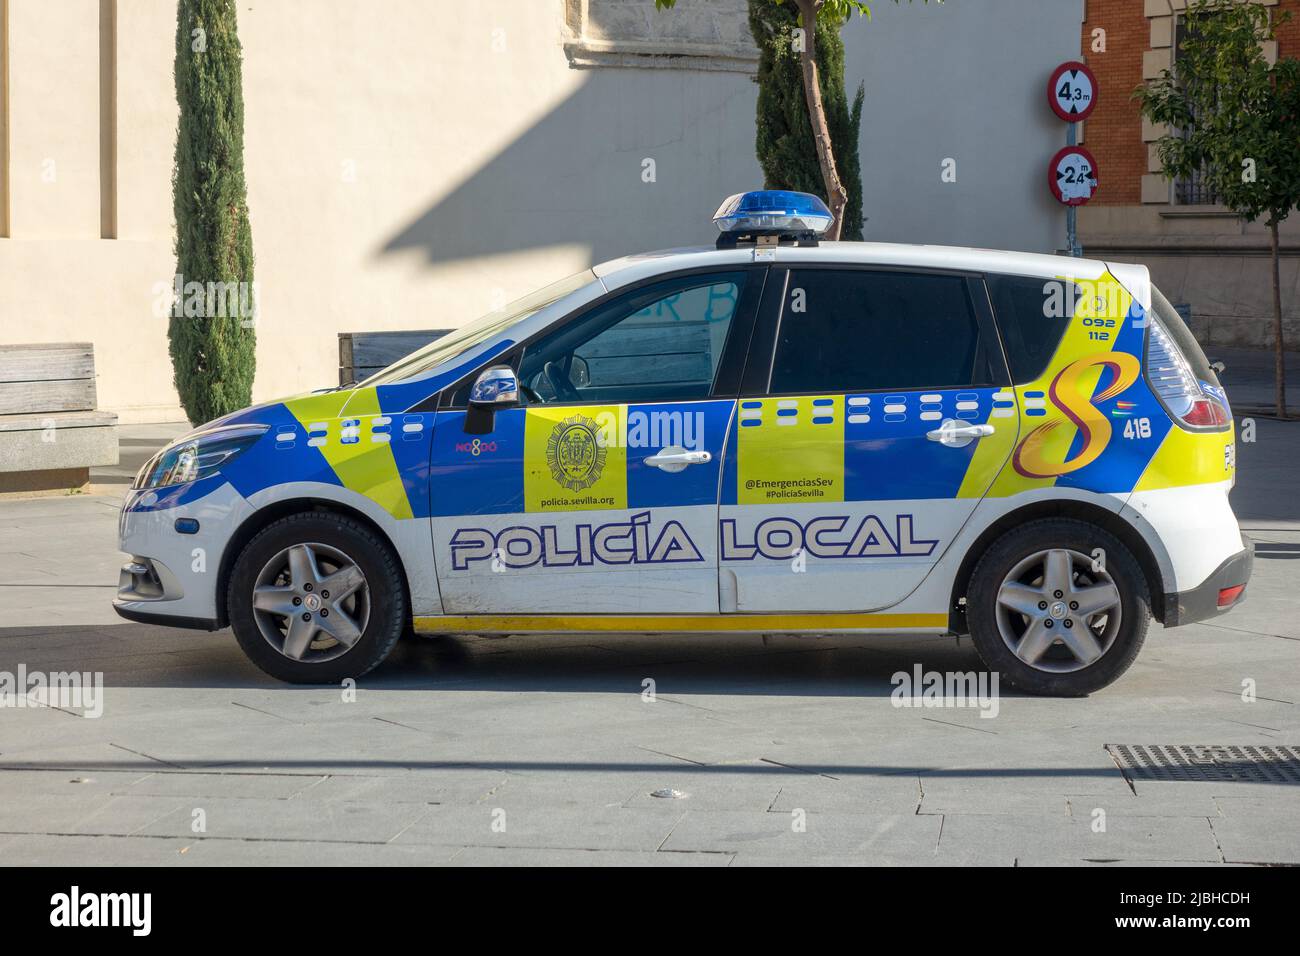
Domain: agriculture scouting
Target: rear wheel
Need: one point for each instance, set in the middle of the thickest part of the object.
(315, 598)
(1058, 607)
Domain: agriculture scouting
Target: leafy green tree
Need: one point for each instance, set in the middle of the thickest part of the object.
(212, 349)
(783, 135)
(814, 16)
(1236, 121)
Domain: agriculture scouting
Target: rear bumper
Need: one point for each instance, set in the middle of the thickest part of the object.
(1202, 602)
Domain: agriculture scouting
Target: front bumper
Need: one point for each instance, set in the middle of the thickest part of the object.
(132, 613)
(173, 577)
(1202, 602)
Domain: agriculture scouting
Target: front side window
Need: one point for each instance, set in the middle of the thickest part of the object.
(660, 343)
(858, 330)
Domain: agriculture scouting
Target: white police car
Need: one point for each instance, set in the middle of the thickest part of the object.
(775, 434)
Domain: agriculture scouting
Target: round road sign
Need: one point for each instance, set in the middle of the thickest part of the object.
(1073, 176)
(1072, 91)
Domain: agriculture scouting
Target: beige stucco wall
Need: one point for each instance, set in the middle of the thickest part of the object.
(59, 281)
(54, 102)
(406, 169)
(944, 91)
(1207, 259)
(412, 169)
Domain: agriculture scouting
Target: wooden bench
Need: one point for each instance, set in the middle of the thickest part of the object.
(51, 434)
(362, 354)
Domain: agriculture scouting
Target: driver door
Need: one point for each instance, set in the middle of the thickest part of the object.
(598, 494)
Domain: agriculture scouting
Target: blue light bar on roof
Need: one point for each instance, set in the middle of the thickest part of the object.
(773, 211)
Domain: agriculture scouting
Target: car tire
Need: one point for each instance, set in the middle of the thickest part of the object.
(1030, 607)
(284, 616)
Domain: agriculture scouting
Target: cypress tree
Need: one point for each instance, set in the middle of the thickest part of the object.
(211, 336)
(784, 141)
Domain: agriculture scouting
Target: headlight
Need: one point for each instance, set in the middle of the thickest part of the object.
(197, 456)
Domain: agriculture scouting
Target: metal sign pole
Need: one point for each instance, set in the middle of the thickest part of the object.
(1072, 93)
(1072, 212)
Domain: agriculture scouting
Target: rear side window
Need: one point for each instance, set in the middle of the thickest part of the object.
(847, 330)
(1033, 315)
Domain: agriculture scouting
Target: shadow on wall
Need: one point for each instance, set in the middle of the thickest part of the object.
(634, 159)
(961, 89)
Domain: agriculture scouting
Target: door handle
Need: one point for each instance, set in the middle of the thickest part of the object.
(954, 434)
(674, 458)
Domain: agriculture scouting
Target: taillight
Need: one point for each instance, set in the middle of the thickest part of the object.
(1206, 413)
(1172, 380)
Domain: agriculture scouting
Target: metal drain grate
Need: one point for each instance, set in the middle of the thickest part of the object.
(1208, 762)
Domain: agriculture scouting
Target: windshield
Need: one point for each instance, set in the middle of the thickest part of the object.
(480, 330)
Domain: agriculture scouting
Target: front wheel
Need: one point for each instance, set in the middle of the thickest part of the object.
(1058, 607)
(315, 598)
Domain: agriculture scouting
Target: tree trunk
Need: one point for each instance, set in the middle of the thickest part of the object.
(836, 194)
(1279, 343)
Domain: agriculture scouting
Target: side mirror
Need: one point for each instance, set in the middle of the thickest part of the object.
(495, 387)
(579, 372)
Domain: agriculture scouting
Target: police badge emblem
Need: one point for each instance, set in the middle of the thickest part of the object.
(575, 454)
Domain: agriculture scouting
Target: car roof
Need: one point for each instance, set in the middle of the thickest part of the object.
(635, 268)
(618, 273)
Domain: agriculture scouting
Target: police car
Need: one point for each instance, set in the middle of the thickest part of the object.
(773, 435)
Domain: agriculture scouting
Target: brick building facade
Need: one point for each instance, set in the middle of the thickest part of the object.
(1200, 254)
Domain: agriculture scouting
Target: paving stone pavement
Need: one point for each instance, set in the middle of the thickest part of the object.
(542, 750)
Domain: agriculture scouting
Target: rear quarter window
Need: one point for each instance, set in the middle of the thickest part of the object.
(1033, 314)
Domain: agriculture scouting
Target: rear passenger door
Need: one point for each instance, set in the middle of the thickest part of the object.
(858, 453)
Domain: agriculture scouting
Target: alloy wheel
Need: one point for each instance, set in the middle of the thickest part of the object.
(311, 602)
(1058, 610)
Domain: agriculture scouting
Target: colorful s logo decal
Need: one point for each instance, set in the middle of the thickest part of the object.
(1066, 394)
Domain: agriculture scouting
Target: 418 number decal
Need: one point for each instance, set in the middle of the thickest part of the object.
(1137, 428)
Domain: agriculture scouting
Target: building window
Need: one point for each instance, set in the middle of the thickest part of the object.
(693, 35)
(1196, 189)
